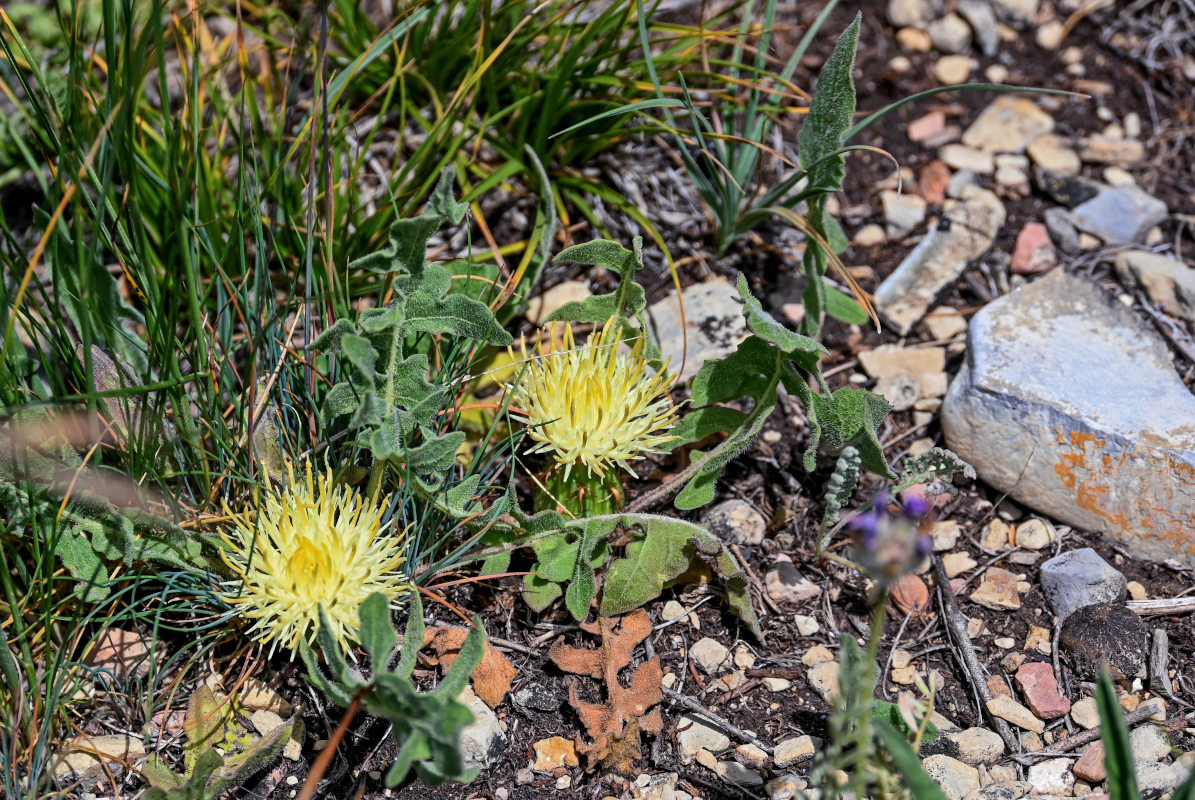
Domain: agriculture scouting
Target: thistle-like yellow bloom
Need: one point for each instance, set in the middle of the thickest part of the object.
(591, 405)
(314, 544)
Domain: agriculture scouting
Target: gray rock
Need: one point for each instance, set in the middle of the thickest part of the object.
(956, 778)
(711, 655)
(787, 586)
(1149, 743)
(1018, 14)
(1122, 215)
(1169, 283)
(1106, 635)
(1080, 578)
(977, 745)
(713, 320)
(695, 733)
(1007, 790)
(1155, 780)
(1052, 776)
(736, 773)
(1062, 229)
(938, 260)
(1069, 403)
(482, 741)
(950, 34)
(1069, 190)
(983, 22)
(960, 181)
(913, 13)
(737, 522)
(537, 697)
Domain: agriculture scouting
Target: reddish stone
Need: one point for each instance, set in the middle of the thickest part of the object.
(909, 593)
(925, 127)
(958, 584)
(1036, 682)
(1090, 767)
(932, 181)
(917, 492)
(1034, 251)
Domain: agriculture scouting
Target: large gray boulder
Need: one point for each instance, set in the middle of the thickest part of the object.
(1068, 402)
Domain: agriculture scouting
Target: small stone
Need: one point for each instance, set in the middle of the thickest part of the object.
(818, 654)
(914, 40)
(913, 13)
(1155, 780)
(902, 211)
(900, 65)
(956, 778)
(1080, 578)
(905, 676)
(1020, 14)
(1035, 534)
(1149, 743)
(944, 535)
(910, 593)
(554, 752)
(1031, 741)
(1102, 635)
(1090, 766)
(695, 733)
(736, 521)
(823, 678)
(786, 586)
(1011, 711)
(784, 787)
(983, 22)
(806, 625)
(743, 658)
(997, 535)
(901, 658)
(1008, 124)
(750, 756)
(1034, 251)
(545, 303)
(1085, 713)
(537, 697)
(956, 564)
(1137, 591)
(265, 722)
(710, 655)
(1115, 176)
(483, 740)
(1003, 788)
(672, 610)
(1062, 229)
(1102, 150)
(1122, 215)
(1049, 35)
(107, 751)
(997, 590)
(927, 126)
(713, 325)
(977, 745)
(901, 391)
(1169, 283)
(256, 695)
(1052, 776)
(524, 777)
(736, 773)
(996, 73)
(1005, 642)
(960, 157)
(121, 652)
(870, 235)
(1038, 639)
(776, 685)
(1040, 688)
(1049, 151)
(953, 70)
(563, 782)
(950, 34)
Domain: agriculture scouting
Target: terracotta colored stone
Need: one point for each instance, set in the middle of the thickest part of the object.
(1040, 689)
(1034, 251)
(1090, 767)
(910, 593)
(997, 591)
(932, 181)
(924, 127)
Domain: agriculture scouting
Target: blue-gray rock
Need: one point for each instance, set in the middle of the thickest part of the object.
(1062, 229)
(1155, 780)
(983, 23)
(1122, 215)
(1069, 403)
(1080, 578)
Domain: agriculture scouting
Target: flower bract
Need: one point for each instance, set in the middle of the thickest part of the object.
(314, 544)
(593, 406)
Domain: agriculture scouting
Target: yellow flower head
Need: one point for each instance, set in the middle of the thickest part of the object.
(592, 405)
(314, 544)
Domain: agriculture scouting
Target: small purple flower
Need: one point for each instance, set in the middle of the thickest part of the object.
(915, 507)
(890, 543)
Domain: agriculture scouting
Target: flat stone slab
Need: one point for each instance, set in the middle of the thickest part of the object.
(935, 263)
(1069, 403)
(713, 326)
